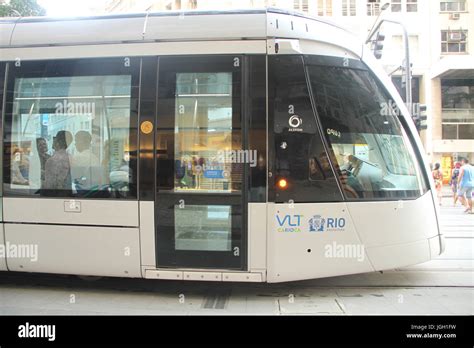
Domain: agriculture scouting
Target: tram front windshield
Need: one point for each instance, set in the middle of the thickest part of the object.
(370, 149)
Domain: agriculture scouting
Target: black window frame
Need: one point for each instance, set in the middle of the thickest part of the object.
(255, 104)
(3, 95)
(72, 68)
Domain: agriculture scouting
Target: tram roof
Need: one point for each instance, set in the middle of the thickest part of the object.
(165, 26)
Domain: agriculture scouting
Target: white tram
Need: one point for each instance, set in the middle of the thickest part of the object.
(258, 146)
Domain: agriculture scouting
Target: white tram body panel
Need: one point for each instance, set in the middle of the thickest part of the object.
(284, 241)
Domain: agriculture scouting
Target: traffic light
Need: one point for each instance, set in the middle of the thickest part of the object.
(423, 117)
(417, 122)
(378, 45)
(419, 117)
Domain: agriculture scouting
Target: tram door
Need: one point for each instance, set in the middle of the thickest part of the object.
(200, 165)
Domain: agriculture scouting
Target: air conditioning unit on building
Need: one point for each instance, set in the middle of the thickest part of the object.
(455, 36)
(454, 16)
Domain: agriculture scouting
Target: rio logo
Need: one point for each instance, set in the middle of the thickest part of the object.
(320, 224)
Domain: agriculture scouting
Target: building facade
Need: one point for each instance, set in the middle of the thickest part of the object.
(440, 50)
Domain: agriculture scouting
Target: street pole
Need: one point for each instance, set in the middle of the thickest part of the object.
(375, 29)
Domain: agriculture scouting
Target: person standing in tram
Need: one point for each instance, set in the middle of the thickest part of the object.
(58, 166)
(86, 169)
(438, 179)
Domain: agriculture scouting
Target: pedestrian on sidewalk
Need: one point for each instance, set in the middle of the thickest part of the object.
(466, 185)
(438, 179)
(454, 180)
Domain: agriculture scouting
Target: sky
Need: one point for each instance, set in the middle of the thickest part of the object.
(67, 8)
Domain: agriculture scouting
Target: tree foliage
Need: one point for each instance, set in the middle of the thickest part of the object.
(25, 8)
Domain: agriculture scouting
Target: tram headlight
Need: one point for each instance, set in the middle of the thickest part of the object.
(282, 184)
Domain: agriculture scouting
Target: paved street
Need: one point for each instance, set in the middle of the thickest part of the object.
(442, 286)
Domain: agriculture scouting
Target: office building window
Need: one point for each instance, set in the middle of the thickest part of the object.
(396, 6)
(301, 5)
(412, 6)
(458, 108)
(348, 7)
(404, 6)
(453, 41)
(373, 7)
(453, 6)
(399, 82)
(324, 7)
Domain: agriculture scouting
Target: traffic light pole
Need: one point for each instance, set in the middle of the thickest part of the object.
(375, 29)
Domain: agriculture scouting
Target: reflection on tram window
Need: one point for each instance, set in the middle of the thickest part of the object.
(206, 145)
(199, 227)
(374, 156)
(70, 136)
(300, 157)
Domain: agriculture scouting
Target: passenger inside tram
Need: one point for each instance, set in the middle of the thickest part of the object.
(86, 167)
(58, 167)
(43, 155)
(16, 175)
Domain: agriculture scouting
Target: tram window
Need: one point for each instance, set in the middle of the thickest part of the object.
(300, 157)
(70, 136)
(2, 87)
(2, 77)
(207, 148)
(203, 227)
(371, 150)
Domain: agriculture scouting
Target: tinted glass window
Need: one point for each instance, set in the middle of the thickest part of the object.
(2, 89)
(371, 150)
(70, 136)
(257, 134)
(457, 94)
(205, 142)
(300, 159)
(2, 78)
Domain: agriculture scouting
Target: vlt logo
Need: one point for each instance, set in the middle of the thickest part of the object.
(289, 223)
